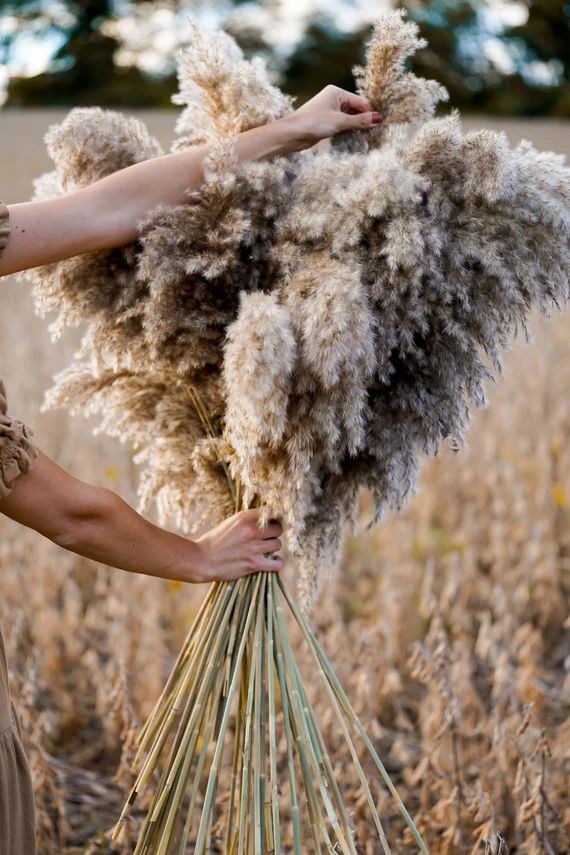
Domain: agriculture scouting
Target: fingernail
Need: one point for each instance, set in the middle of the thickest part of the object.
(377, 118)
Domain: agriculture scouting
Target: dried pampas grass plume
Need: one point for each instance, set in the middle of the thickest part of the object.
(260, 356)
(221, 91)
(398, 94)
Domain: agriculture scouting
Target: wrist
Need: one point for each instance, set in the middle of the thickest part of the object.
(295, 136)
(198, 567)
(187, 562)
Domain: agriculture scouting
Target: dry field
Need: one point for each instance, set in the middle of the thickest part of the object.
(449, 624)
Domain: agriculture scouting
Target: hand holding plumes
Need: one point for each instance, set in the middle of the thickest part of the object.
(239, 546)
(328, 113)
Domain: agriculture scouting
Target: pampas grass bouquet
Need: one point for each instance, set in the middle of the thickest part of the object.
(297, 334)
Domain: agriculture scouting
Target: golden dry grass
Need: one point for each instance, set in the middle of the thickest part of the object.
(449, 625)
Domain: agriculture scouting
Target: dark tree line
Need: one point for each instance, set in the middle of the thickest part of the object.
(84, 69)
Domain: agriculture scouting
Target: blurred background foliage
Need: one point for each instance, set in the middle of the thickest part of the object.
(495, 56)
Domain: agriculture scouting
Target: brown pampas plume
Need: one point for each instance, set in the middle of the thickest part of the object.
(299, 332)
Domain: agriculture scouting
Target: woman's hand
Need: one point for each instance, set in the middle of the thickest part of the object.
(331, 111)
(237, 547)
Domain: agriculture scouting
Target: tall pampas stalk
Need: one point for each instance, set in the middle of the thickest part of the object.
(299, 332)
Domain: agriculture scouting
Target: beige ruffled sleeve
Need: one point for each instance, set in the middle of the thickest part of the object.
(16, 449)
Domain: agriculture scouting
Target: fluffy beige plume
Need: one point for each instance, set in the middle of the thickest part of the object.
(221, 91)
(92, 142)
(401, 97)
(260, 356)
(335, 327)
(89, 144)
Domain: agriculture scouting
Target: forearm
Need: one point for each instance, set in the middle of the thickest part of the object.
(113, 533)
(170, 178)
(94, 522)
(97, 524)
(106, 214)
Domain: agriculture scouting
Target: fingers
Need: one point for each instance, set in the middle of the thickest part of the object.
(250, 519)
(362, 121)
(273, 545)
(264, 542)
(263, 562)
(271, 530)
(351, 102)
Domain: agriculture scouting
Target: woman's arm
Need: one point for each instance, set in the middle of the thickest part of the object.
(106, 213)
(96, 523)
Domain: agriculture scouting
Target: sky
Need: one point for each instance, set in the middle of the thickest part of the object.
(151, 34)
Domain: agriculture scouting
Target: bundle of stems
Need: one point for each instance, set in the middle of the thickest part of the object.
(238, 664)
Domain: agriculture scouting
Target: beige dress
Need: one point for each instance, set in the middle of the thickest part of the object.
(17, 820)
